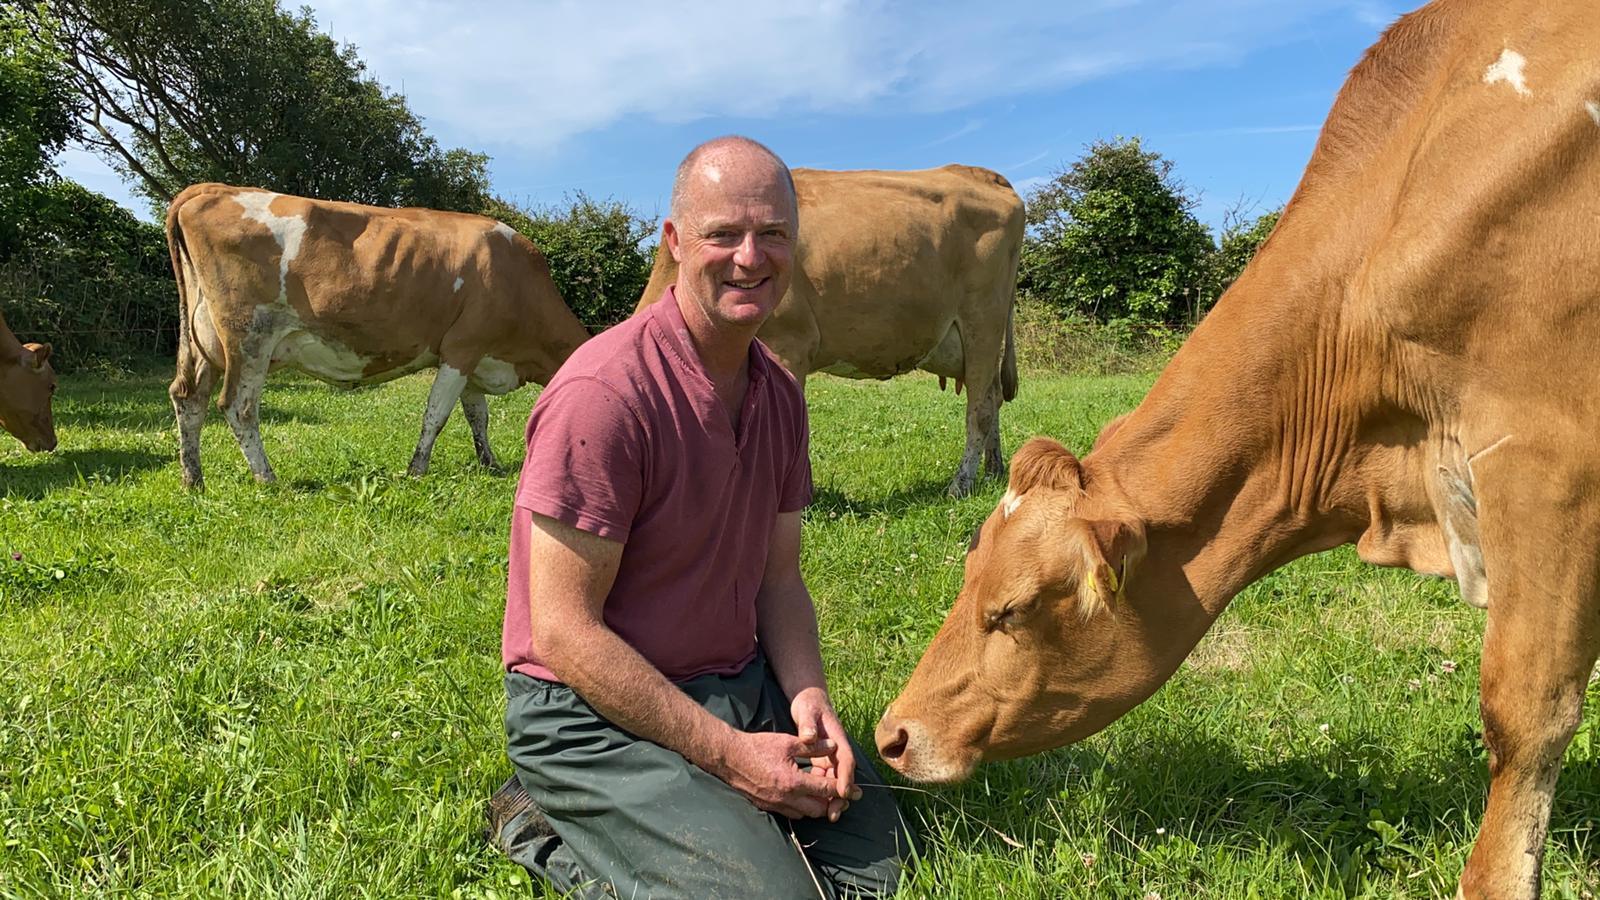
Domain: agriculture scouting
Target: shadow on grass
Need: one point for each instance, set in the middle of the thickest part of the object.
(924, 493)
(66, 468)
(154, 413)
(1345, 816)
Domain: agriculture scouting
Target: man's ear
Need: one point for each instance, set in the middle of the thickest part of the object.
(1112, 549)
(670, 238)
(1043, 462)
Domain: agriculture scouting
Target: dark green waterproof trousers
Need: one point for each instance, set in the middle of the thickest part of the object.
(632, 819)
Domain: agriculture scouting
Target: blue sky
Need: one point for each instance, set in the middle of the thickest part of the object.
(605, 97)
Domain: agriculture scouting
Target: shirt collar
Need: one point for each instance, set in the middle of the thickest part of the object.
(673, 332)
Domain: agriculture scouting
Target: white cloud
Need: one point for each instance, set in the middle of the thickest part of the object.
(534, 75)
(1027, 185)
(1374, 15)
(972, 125)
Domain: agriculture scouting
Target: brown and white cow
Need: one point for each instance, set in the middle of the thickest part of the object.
(1408, 365)
(27, 382)
(896, 271)
(353, 295)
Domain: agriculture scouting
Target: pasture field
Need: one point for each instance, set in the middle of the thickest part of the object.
(294, 690)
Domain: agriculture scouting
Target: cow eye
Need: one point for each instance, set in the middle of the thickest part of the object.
(1000, 620)
(972, 542)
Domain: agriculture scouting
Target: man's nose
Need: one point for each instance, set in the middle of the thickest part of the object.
(748, 254)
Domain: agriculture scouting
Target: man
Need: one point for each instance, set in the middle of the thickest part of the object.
(667, 710)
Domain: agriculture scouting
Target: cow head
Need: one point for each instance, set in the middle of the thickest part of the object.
(27, 383)
(1040, 648)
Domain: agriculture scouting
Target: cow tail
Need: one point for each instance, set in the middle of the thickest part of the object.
(184, 381)
(1008, 363)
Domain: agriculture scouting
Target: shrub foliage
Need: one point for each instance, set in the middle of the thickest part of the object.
(1113, 237)
(595, 253)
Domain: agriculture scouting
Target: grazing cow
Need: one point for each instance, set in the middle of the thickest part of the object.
(353, 295)
(27, 382)
(1408, 365)
(896, 271)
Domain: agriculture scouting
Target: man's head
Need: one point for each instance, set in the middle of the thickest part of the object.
(731, 229)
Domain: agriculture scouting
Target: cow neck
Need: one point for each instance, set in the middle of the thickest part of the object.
(1243, 455)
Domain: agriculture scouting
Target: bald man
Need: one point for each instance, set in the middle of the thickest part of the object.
(666, 705)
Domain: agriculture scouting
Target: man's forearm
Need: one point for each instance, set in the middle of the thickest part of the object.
(786, 625)
(633, 694)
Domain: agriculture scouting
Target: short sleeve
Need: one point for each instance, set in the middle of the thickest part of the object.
(796, 493)
(585, 462)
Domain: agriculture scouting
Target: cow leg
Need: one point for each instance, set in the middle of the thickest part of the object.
(447, 389)
(475, 407)
(1539, 647)
(994, 462)
(190, 392)
(983, 419)
(983, 423)
(242, 409)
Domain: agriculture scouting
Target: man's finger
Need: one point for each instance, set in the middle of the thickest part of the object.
(807, 748)
(846, 766)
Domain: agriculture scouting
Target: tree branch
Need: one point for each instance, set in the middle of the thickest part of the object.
(110, 142)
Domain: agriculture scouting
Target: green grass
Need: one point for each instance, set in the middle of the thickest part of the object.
(294, 690)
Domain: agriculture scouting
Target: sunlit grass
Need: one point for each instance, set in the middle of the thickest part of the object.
(294, 690)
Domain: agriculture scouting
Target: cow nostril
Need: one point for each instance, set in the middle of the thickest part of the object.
(895, 747)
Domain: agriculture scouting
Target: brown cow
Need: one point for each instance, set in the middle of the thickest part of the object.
(27, 382)
(1408, 365)
(353, 295)
(897, 271)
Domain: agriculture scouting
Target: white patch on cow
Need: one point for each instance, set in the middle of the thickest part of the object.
(1593, 109)
(1009, 503)
(286, 230)
(1508, 68)
(946, 358)
(457, 287)
(322, 357)
(494, 377)
(505, 231)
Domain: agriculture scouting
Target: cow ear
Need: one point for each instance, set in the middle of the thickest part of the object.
(1043, 462)
(41, 354)
(1112, 549)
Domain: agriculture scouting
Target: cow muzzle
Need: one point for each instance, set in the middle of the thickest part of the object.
(910, 749)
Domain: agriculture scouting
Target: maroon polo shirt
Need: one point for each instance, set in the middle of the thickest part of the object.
(629, 442)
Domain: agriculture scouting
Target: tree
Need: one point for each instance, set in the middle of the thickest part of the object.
(1114, 237)
(37, 118)
(594, 251)
(179, 91)
(1239, 243)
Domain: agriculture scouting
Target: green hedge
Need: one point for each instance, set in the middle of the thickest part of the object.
(89, 278)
